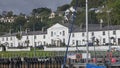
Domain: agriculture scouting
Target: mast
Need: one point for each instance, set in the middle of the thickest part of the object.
(87, 31)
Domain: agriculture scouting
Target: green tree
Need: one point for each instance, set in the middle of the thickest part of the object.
(116, 12)
(19, 36)
(27, 42)
(91, 3)
(81, 3)
(63, 7)
(19, 21)
(111, 12)
(42, 12)
(9, 14)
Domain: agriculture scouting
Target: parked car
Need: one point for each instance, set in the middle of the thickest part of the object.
(90, 44)
(108, 44)
(40, 47)
(115, 49)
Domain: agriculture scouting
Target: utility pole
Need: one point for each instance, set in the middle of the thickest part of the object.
(108, 21)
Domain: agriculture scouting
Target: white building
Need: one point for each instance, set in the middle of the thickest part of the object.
(59, 33)
(7, 19)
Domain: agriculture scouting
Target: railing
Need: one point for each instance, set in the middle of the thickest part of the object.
(54, 62)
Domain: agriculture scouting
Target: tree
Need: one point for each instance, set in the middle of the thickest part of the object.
(81, 3)
(4, 13)
(91, 3)
(115, 12)
(19, 36)
(9, 14)
(41, 12)
(113, 15)
(27, 42)
(19, 21)
(63, 7)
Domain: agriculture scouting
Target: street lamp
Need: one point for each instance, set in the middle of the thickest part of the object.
(87, 48)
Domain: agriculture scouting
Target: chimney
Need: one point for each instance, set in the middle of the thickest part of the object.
(81, 26)
(101, 22)
(43, 29)
(26, 31)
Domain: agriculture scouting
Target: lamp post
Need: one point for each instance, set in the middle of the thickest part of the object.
(93, 41)
(34, 40)
(87, 31)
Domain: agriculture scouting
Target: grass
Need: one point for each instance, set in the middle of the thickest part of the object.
(11, 54)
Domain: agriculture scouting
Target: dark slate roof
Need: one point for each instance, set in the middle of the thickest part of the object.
(76, 28)
(92, 27)
(24, 33)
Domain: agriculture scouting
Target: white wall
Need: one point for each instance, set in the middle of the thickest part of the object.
(98, 48)
(57, 30)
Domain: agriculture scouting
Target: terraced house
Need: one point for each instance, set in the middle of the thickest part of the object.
(58, 34)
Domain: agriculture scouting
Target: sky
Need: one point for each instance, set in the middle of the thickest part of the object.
(26, 6)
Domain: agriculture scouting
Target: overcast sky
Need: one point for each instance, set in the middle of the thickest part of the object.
(26, 6)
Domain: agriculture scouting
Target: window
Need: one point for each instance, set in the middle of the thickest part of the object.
(11, 44)
(6, 38)
(104, 40)
(18, 44)
(43, 36)
(92, 33)
(35, 43)
(73, 35)
(76, 42)
(44, 42)
(83, 40)
(114, 32)
(63, 33)
(52, 42)
(83, 34)
(63, 40)
(73, 42)
(60, 33)
(35, 37)
(51, 33)
(103, 32)
(114, 40)
(2, 39)
(10, 38)
(27, 37)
